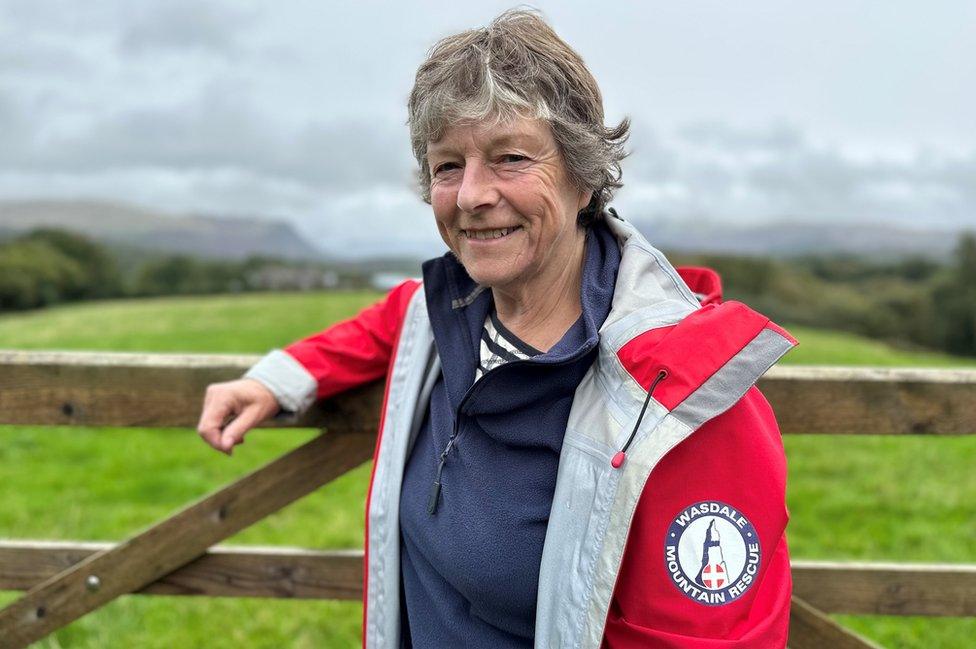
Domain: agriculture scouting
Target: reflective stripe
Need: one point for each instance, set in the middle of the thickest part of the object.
(716, 395)
(293, 386)
(382, 614)
(644, 455)
(728, 384)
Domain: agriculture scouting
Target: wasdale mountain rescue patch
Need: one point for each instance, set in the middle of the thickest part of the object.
(712, 553)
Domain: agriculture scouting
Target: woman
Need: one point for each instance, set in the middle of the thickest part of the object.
(572, 449)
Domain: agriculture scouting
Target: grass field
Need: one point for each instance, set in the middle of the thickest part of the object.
(867, 498)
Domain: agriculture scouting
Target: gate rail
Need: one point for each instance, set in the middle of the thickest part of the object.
(178, 556)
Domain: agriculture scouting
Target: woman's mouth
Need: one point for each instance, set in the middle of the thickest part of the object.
(489, 235)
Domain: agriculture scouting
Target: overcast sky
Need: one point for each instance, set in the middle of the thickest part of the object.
(742, 111)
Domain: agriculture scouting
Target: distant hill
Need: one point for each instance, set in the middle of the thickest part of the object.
(205, 236)
(134, 230)
(787, 239)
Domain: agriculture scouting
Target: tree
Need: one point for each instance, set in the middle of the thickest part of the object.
(35, 273)
(101, 274)
(955, 300)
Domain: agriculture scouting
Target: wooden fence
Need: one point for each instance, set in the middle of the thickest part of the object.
(177, 556)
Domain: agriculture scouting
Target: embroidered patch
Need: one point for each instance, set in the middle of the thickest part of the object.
(712, 553)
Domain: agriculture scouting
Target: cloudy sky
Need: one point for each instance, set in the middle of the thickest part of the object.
(747, 111)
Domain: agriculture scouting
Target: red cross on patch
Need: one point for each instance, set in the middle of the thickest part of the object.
(713, 576)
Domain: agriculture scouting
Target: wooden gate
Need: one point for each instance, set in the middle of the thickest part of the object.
(177, 556)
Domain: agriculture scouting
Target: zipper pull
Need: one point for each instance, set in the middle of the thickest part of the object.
(621, 455)
(435, 489)
(435, 494)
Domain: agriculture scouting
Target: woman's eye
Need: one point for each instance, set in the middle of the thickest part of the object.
(447, 166)
(513, 157)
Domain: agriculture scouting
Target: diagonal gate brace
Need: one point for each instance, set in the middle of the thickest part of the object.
(811, 628)
(175, 541)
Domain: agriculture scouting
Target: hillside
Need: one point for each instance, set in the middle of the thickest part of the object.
(791, 238)
(202, 235)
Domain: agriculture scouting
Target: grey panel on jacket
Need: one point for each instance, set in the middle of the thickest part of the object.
(726, 386)
(293, 386)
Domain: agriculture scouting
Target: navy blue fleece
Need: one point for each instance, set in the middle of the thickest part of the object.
(470, 571)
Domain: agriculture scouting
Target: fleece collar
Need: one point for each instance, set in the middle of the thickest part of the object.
(458, 306)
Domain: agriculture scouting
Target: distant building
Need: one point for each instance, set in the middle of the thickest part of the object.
(385, 281)
(280, 278)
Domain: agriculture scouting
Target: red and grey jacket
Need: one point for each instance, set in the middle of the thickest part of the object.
(668, 516)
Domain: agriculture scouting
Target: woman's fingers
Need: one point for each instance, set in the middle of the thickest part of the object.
(233, 433)
(231, 409)
(217, 406)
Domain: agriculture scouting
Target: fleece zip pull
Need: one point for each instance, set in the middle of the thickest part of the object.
(435, 488)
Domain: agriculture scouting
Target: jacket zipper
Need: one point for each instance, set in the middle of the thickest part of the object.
(435, 488)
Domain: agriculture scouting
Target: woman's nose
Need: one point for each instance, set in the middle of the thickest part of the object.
(477, 191)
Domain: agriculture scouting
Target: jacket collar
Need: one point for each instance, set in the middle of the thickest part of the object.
(458, 306)
(657, 323)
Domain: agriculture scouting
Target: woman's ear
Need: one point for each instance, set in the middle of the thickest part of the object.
(584, 200)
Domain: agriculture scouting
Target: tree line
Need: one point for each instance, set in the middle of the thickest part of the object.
(915, 301)
(49, 266)
(912, 301)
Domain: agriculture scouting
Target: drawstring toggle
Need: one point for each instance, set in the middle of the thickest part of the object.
(621, 455)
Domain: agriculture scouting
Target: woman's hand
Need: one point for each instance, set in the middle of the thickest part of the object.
(243, 403)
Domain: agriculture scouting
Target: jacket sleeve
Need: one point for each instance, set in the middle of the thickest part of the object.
(347, 354)
(682, 585)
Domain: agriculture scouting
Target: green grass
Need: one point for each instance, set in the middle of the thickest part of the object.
(818, 347)
(251, 322)
(868, 498)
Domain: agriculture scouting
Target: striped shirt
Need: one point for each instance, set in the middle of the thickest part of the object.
(499, 346)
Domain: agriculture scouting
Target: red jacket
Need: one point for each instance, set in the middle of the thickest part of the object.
(735, 458)
(679, 542)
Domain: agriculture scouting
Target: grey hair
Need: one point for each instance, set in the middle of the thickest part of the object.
(517, 67)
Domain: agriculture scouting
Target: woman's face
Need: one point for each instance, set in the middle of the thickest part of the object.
(503, 200)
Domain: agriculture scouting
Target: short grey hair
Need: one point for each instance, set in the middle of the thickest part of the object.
(518, 67)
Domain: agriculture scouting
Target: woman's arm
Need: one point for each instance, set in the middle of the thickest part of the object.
(347, 354)
(660, 600)
(286, 382)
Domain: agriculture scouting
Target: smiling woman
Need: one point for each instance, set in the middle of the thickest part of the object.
(572, 451)
(506, 207)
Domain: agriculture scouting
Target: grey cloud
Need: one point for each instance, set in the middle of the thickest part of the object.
(722, 136)
(827, 184)
(350, 153)
(222, 128)
(176, 191)
(958, 173)
(381, 220)
(649, 156)
(809, 178)
(218, 129)
(15, 131)
(364, 214)
(137, 27)
(724, 172)
(187, 26)
(62, 16)
(274, 108)
(21, 55)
